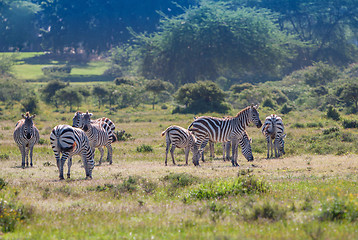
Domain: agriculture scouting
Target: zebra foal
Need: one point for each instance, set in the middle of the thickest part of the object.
(222, 130)
(273, 130)
(100, 132)
(71, 141)
(178, 137)
(26, 136)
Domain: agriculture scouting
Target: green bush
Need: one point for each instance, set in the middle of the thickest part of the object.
(333, 113)
(55, 70)
(320, 73)
(339, 209)
(268, 103)
(271, 211)
(4, 156)
(6, 63)
(242, 185)
(179, 180)
(122, 135)
(144, 148)
(350, 123)
(286, 109)
(11, 214)
(3, 183)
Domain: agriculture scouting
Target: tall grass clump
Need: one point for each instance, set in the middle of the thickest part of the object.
(339, 209)
(176, 181)
(266, 210)
(144, 148)
(11, 214)
(247, 184)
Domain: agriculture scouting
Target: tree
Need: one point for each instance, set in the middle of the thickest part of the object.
(328, 27)
(69, 97)
(49, 91)
(30, 104)
(202, 97)
(101, 93)
(213, 37)
(155, 87)
(349, 94)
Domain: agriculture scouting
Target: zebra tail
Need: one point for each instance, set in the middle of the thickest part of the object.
(164, 132)
(113, 138)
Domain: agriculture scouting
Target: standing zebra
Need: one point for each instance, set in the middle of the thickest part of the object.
(222, 130)
(26, 136)
(273, 130)
(99, 134)
(106, 123)
(71, 141)
(181, 138)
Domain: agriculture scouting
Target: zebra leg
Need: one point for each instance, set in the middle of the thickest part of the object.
(110, 153)
(69, 164)
(276, 148)
(227, 150)
(88, 164)
(212, 151)
(31, 151)
(27, 156)
(187, 149)
(102, 153)
(61, 164)
(224, 149)
(23, 152)
(203, 145)
(172, 153)
(234, 145)
(166, 153)
(268, 140)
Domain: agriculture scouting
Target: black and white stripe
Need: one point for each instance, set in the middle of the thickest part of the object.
(100, 124)
(273, 130)
(99, 134)
(71, 141)
(178, 137)
(222, 130)
(26, 136)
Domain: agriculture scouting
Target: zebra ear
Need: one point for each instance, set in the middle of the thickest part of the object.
(33, 116)
(283, 136)
(23, 115)
(250, 140)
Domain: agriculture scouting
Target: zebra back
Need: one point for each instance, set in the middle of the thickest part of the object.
(179, 136)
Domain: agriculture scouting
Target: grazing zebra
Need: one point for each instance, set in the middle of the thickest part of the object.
(273, 131)
(181, 138)
(222, 130)
(106, 123)
(26, 136)
(71, 141)
(99, 135)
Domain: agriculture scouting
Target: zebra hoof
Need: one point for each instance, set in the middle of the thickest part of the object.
(88, 177)
(62, 178)
(68, 176)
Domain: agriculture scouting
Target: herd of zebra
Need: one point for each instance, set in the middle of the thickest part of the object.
(86, 134)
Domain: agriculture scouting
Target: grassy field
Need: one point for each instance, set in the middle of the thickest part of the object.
(310, 193)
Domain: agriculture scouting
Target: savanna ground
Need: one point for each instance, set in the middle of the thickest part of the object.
(310, 193)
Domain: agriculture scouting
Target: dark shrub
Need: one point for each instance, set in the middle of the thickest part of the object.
(333, 113)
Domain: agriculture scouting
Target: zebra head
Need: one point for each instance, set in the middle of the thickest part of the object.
(76, 120)
(246, 148)
(281, 146)
(254, 116)
(28, 127)
(86, 121)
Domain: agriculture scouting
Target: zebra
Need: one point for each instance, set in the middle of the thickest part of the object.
(181, 138)
(109, 126)
(222, 130)
(71, 141)
(273, 130)
(99, 134)
(26, 136)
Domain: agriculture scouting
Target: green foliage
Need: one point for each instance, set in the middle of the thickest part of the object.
(3, 183)
(339, 209)
(212, 37)
(49, 91)
(11, 90)
(179, 180)
(58, 70)
(320, 74)
(237, 88)
(286, 109)
(144, 148)
(350, 123)
(69, 97)
(11, 214)
(202, 97)
(268, 103)
(267, 210)
(242, 185)
(349, 94)
(30, 104)
(333, 114)
(6, 63)
(4, 156)
(123, 136)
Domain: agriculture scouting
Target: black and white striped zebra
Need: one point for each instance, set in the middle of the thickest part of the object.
(273, 130)
(106, 123)
(222, 130)
(71, 141)
(26, 136)
(99, 134)
(181, 138)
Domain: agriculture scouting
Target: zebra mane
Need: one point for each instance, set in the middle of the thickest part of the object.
(243, 111)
